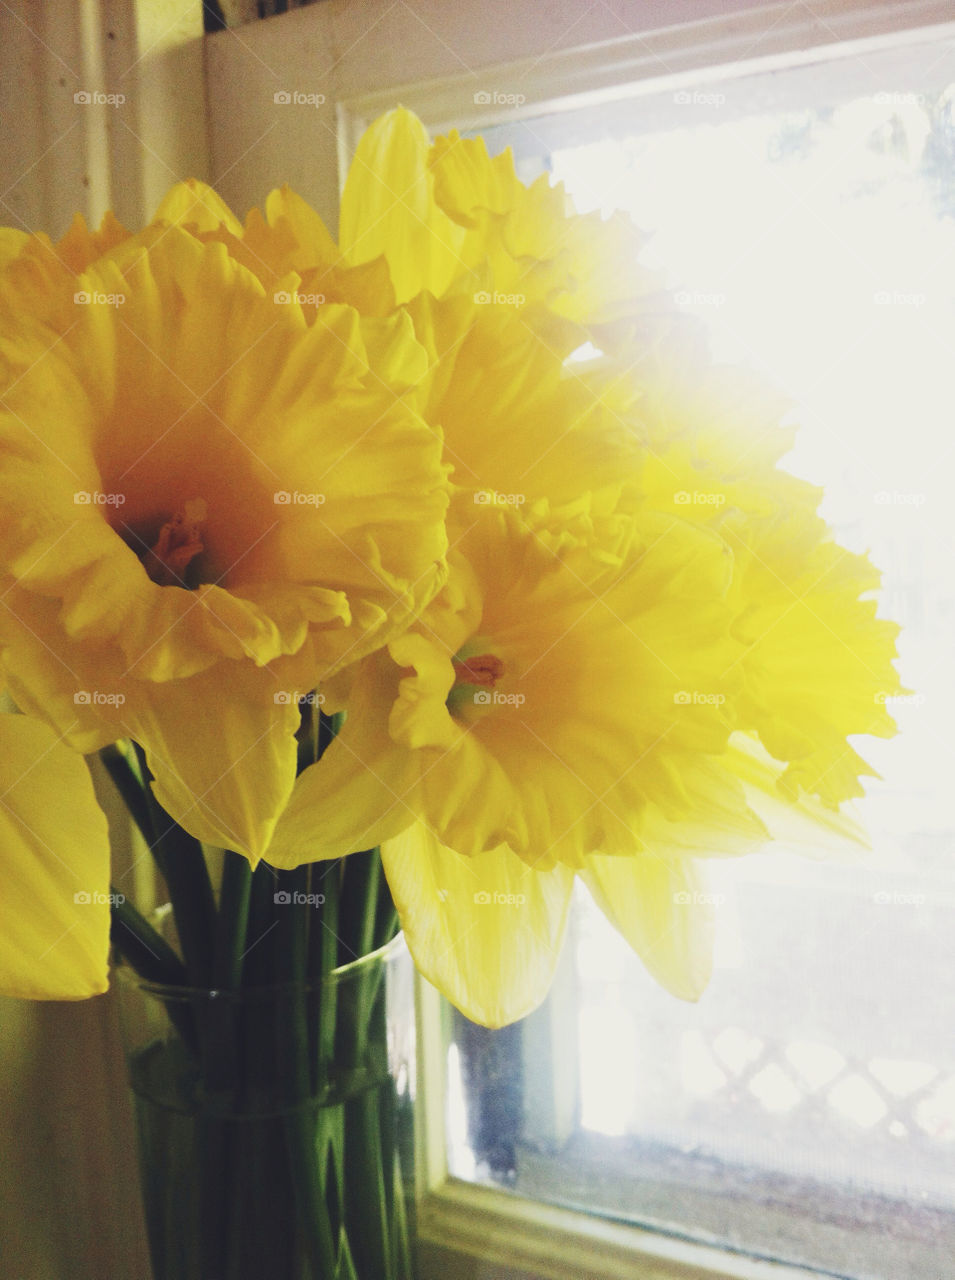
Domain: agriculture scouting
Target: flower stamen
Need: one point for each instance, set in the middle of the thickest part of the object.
(484, 670)
(178, 543)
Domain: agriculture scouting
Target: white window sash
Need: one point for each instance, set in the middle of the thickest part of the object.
(740, 40)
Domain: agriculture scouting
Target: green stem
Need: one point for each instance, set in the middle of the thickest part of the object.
(293, 1056)
(386, 914)
(259, 1066)
(361, 878)
(369, 1178)
(141, 946)
(146, 952)
(232, 921)
(222, 1060)
(369, 1145)
(131, 788)
(324, 878)
(183, 866)
(237, 1072)
(222, 1150)
(260, 930)
(328, 728)
(291, 936)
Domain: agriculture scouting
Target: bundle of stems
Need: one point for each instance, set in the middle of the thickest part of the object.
(283, 1107)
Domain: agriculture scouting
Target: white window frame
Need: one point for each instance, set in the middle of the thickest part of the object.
(708, 49)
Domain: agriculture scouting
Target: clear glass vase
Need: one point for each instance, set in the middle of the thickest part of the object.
(275, 1125)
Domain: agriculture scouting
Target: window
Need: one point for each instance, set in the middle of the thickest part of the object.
(805, 1109)
(746, 1080)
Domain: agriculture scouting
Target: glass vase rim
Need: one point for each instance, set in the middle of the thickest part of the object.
(127, 977)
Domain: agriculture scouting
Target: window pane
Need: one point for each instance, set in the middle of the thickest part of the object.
(805, 1109)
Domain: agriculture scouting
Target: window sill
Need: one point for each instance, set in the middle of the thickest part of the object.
(476, 1233)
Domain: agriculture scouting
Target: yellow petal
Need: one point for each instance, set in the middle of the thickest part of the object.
(718, 821)
(393, 352)
(54, 910)
(12, 240)
(80, 246)
(487, 931)
(660, 907)
(817, 667)
(222, 752)
(514, 419)
(584, 268)
(419, 717)
(362, 790)
(315, 247)
(474, 802)
(53, 681)
(388, 208)
(469, 182)
(795, 817)
(194, 204)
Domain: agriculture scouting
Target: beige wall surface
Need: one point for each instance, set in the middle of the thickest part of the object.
(69, 1188)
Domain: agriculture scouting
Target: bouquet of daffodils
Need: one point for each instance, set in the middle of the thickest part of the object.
(439, 558)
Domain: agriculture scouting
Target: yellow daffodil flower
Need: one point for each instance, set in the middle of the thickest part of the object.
(533, 726)
(449, 218)
(441, 219)
(816, 662)
(210, 506)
